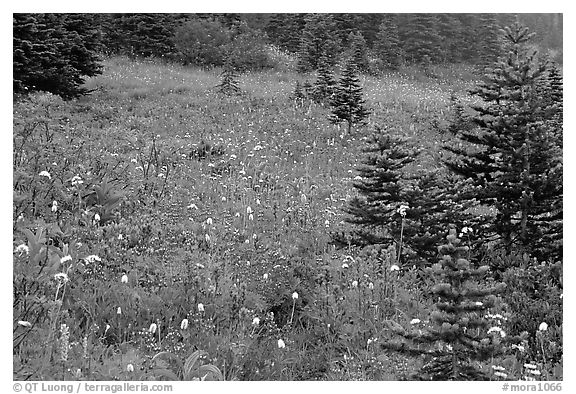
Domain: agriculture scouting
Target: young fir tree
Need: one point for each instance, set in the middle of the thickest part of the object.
(229, 83)
(381, 191)
(387, 45)
(458, 333)
(325, 85)
(450, 30)
(513, 159)
(347, 102)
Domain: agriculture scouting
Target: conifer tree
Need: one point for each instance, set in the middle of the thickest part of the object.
(451, 31)
(513, 159)
(319, 39)
(458, 332)
(325, 85)
(229, 84)
(489, 39)
(359, 50)
(347, 102)
(422, 41)
(387, 45)
(52, 54)
(381, 187)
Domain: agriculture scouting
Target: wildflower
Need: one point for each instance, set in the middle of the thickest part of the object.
(327, 223)
(200, 307)
(120, 237)
(78, 373)
(371, 340)
(543, 326)
(207, 237)
(501, 374)
(124, 278)
(61, 277)
(96, 218)
(54, 206)
(209, 221)
(394, 267)
(119, 311)
(134, 160)
(184, 324)
(345, 266)
(478, 303)
(64, 342)
(130, 368)
(22, 249)
(265, 276)
(65, 259)
(46, 174)
(237, 214)
(153, 328)
(257, 201)
(371, 286)
(223, 199)
(519, 347)
(498, 330)
(466, 230)
(24, 323)
(294, 296)
(281, 344)
(248, 210)
(303, 198)
(354, 283)
(255, 321)
(534, 372)
(199, 265)
(250, 217)
(92, 258)
(530, 366)
(414, 321)
(402, 210)
(76, 180)
(192, 206)
(107, 328)
(498, 368)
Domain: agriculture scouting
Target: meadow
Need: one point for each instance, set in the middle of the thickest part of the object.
(165, 231)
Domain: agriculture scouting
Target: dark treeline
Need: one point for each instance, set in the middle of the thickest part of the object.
(54, 52)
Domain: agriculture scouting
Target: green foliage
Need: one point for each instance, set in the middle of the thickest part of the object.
(318, 41)
(458, 332)
(54, 53)
(229, 83)
(513, 158)
(347, 102)
(387, 46)
(202, 42)
(421, 39)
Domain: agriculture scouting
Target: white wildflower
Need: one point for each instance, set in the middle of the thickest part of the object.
(394, 267)
(345, 266)
(184, 324)
(61, 277)
(153, 328)
(24, 323)
(200, 307)
(543, 326)
(54, 206)
(46, 174)
(130, 368)
(354, 283)
(92, 258)
(294, 296)
(281, 344)
(119, 311)
(124, 278)
(65, 259)
(22, 249)
(256, 321)
(265, 276)
(414, 321)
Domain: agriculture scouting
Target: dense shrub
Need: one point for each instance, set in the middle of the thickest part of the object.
(202, 42)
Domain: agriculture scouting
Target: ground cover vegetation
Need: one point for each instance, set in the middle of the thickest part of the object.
(287, 197)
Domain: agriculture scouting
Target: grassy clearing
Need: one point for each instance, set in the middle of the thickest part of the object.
(225, 211)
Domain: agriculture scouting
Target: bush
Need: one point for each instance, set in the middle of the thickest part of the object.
(202, 42)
